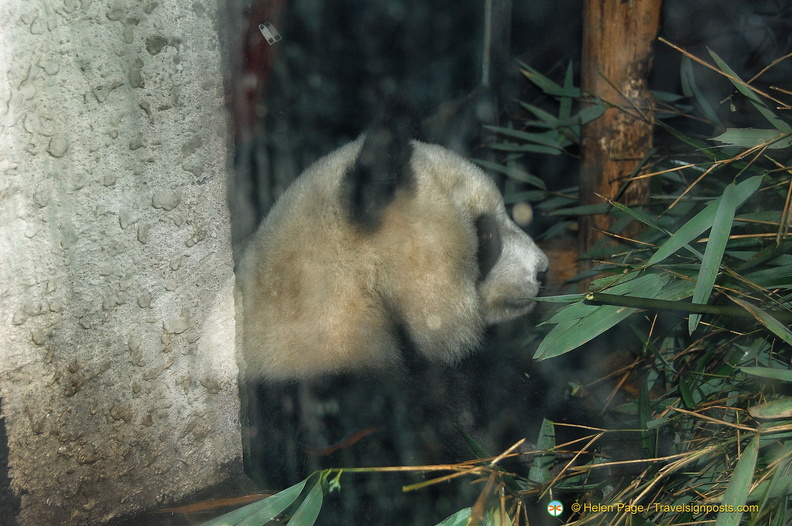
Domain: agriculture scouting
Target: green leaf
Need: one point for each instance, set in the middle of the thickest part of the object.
(702, 221)
(750, 137)
(589, 113)
(737, 490)
(563, 298)
(766, 319)
(553, 202)
(547, 85)
(573, 312)
(713, 255)
(495, 517)
(579, 323)
(309, 509)
(459, 518)
(523, 148)
(262, 511)
(779, 486)
(557, 230)
(567, 336)
(548, 138)
(475, 447)
(512, 197)
(773, 277)
(644, 416)
(565, 106)
(686, 393)
(743, 88)
(513, 172)
(639, 216)
(695, 143)
(775, 409)
(583, 210)
(690, 89)
(667, 96)
(769, 372)
(713, 151)
(540, 470)
(548, 120)
(772, 255)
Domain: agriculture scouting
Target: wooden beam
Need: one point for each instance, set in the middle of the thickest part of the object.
(617, 57)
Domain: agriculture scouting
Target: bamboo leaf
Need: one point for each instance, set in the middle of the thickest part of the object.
(540, 470)
(589, 113)
(766, 319)
(547, 85)
(563, 298)
(666, 304)
(497, 517)
(513, 172)
(459, 518)
(583, 210)
(773, 277)
(511, 196)
(567, 336)
(743, 88)
(775, 409)
(565, 105)
(548, 119)
(644, 416)
(703, 221)
(690, 89)
(581, 309)
(523, 148)
(769, 372)
(713, 151)
(737, 492)
(691, 230)
(779, 486)
(667, 96)
(548, 138)
(475, 447)
(695, 143)
(579, 323)
(686, 393)
(750, 137)
(713, 255)
(639, 216)
(261, 511)
(309, 509)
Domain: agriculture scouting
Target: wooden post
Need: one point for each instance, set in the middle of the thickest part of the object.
(617, 56)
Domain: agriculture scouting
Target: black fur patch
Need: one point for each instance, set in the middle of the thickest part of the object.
(382, 166)
(489, 244)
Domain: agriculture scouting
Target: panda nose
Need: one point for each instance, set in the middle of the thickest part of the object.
(541, 276)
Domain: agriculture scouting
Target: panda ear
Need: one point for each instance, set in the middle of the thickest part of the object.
(383, 165)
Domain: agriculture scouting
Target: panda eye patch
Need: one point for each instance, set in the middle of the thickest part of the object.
(489, 243)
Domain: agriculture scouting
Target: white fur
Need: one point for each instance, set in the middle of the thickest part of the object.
(322, 295)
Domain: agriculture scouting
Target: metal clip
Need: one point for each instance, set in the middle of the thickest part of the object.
(269, 32)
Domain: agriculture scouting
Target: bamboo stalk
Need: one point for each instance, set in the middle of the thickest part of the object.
(681, 306)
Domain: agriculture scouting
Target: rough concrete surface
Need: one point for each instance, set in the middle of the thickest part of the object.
(117, 372)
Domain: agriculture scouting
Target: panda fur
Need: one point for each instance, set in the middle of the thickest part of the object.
(384, 243)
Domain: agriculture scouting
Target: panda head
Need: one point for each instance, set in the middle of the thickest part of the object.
(385, 243)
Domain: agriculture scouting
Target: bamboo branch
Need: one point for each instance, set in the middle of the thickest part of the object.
(681, 306)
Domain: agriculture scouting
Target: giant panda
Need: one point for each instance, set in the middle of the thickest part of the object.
(384, 245)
